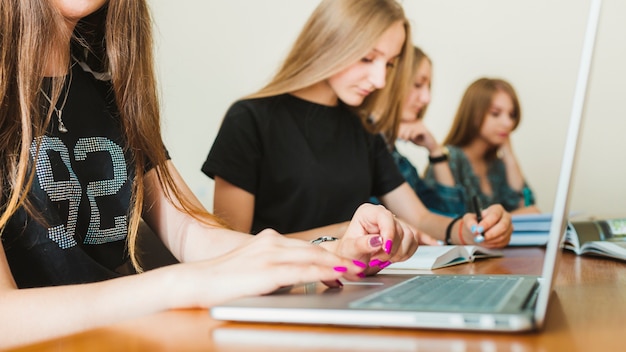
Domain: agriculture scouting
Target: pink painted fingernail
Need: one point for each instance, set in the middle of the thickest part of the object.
(388, 245)
(341, 269)
(361, 275)
(376, 241)
(375, 262)
(359, 263)
(384, 264)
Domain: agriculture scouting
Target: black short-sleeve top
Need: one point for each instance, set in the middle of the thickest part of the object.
(307, 165)
(82, 188)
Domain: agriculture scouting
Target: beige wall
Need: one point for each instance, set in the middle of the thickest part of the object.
(212, 52)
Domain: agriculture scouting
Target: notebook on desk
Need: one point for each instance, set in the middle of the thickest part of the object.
(484, 302)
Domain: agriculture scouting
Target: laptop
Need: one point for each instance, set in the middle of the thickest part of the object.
(486, 302)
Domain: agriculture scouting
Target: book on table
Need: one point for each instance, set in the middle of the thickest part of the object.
(533, 229)
(434, 257)
(604, 238)
(530, 229)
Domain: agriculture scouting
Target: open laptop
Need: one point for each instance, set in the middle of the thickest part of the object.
(518, 303)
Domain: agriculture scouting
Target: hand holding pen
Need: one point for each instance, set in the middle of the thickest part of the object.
(478, 231)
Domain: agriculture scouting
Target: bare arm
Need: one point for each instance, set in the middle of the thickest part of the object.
(189, 240)
(335, 230)
(403, 202)
(514, 175)
(185, 237)
(241, 265)
(236, 207)
(263, 264)
(233, 204)
(416, 132)
(496, 222)
(55, 311)
(515, 178)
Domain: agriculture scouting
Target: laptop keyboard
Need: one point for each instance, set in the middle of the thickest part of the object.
(443, 293)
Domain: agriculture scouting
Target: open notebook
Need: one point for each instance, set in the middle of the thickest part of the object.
(435, 257)
(486, 302)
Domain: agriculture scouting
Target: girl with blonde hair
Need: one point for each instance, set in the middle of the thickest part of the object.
(299, 155)
(82, 161)
(441, 195)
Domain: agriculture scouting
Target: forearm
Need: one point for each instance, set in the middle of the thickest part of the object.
(188, 238)
(30, 315)
(193, 241)
(335, 230)
(514, 175)
(404, 203)
(435, 225)
(432, 224)
(439, 163)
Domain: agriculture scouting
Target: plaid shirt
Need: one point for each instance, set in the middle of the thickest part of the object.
(467, 180)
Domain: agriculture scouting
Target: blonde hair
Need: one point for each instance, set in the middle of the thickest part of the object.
(116, 39)
(419, 56)
(473, 110)
(391, 132)
(338, 34)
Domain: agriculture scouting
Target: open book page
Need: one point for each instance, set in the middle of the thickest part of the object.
(612, 249)
(597, 237)
(571, 240)
(434, 257)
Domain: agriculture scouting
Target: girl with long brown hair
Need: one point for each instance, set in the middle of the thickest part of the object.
(482, 160)
(82, 161)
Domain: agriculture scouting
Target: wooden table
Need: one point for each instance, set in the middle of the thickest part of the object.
(587, 313)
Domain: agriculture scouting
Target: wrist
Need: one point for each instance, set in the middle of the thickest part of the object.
(438, 155)
(460, 232)
(327, 242)
(448, 238)
(180, 286)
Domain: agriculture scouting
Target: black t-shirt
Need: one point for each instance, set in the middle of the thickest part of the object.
(308, 165)
(82, 186)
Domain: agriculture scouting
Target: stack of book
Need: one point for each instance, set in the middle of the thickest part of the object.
(600, 237)
(531, 229)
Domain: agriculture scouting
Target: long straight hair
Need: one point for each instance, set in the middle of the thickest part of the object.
(391, 134)
(419, 57)
(116, 40)
(338, 34)
(473, 110)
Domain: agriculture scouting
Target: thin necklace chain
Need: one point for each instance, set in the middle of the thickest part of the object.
(59, 111)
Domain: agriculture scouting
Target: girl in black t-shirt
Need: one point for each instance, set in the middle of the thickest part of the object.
(82, 161)
(299, 155)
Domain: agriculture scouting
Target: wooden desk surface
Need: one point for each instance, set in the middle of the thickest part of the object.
(587, 313)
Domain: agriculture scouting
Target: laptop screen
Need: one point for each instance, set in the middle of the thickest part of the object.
(561, 203)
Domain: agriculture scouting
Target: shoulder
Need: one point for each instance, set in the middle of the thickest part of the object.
(257, 107)
(244, 105)
(271, 102)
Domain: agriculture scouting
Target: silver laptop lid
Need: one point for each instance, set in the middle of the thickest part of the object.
(561, 203)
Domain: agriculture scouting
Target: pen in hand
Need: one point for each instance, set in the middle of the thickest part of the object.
(479, 237)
